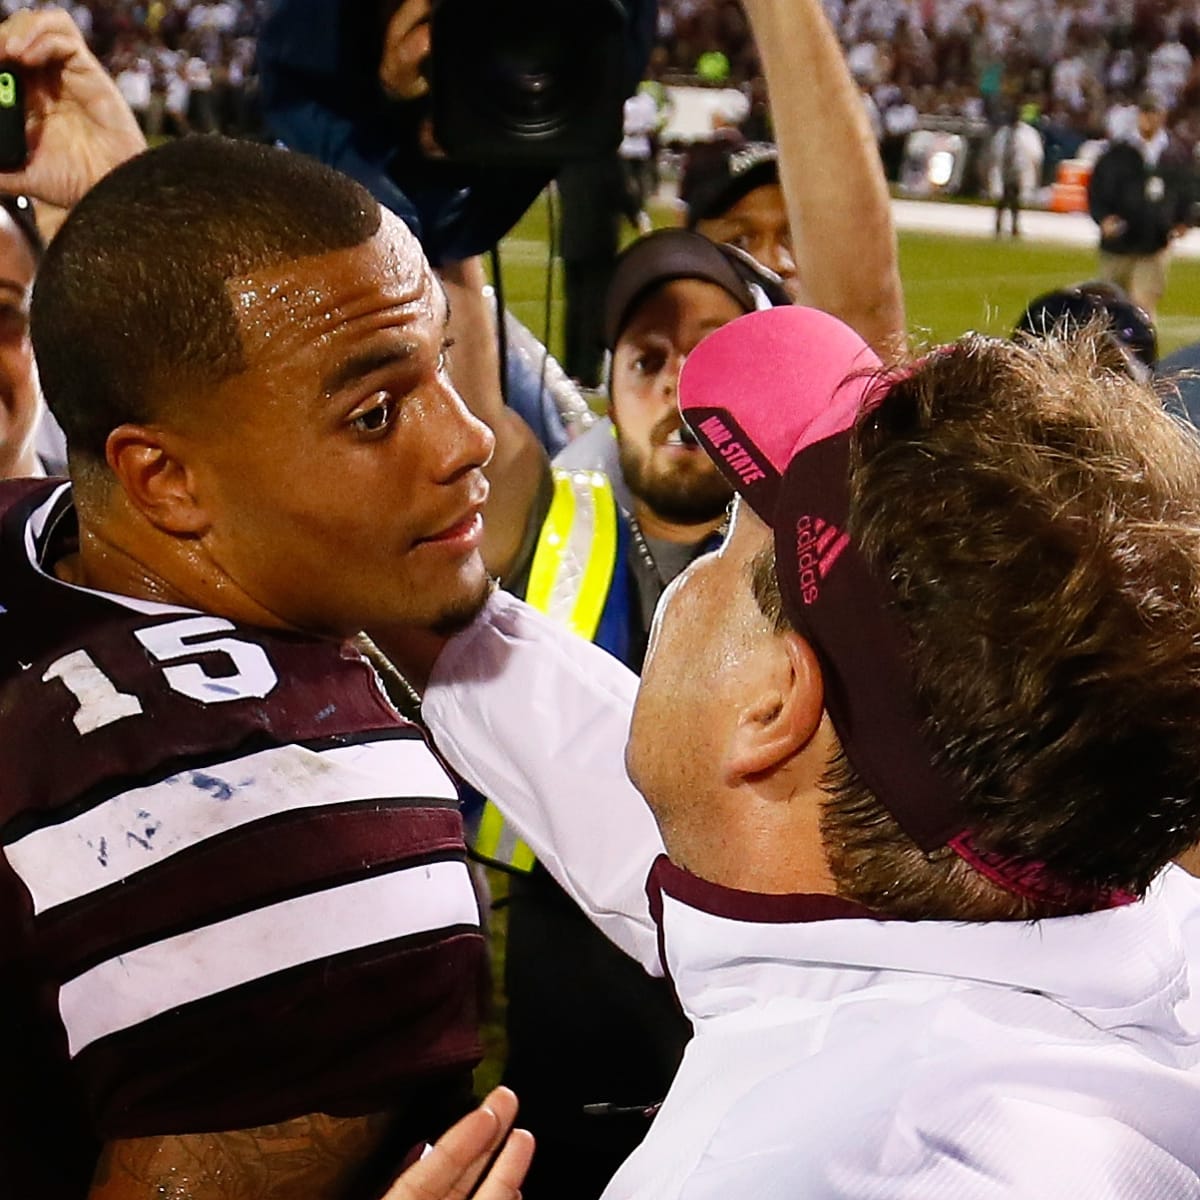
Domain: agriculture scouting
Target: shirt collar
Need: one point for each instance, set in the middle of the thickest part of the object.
(728, 951)
(737, 905)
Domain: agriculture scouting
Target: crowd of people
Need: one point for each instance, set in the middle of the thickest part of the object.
(1077, 68)
(190, 65)
(834, 711)
(182, 66)
(1032, 83)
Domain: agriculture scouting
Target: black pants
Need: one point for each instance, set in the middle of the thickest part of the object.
(586, 282)
(1010, 200)
(586, 1025)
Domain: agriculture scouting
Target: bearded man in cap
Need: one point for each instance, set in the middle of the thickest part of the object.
(593, 1042)
(732, 195)
(917, 747)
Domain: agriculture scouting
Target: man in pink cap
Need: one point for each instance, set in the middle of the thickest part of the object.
(916, 747)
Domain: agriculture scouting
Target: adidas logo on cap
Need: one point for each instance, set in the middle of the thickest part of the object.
(818, 546)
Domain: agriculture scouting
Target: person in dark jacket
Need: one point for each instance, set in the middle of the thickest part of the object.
(1140, 195)
(594, 200)
(346, 83)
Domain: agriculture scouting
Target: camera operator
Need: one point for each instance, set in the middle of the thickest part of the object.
(351, 88)
(349, 84)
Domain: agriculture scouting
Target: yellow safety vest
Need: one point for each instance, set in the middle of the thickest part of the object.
(569, 579)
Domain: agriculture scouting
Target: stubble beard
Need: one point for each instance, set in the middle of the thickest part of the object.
(684, 496)
(463, 612)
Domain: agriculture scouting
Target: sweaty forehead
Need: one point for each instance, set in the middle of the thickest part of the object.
(294, 303)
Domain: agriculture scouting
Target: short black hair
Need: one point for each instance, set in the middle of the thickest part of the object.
(131, 307)
(1066, 311)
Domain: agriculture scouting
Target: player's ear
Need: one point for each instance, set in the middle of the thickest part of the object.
(781, 716)
(154, 475)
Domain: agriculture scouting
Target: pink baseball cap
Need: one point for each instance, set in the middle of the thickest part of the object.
(772, 397)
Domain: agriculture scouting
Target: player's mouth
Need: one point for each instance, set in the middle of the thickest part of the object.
(681, 440)
(464, 532)
(462, 536)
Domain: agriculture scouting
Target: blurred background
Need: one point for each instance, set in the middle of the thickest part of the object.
(938, 78)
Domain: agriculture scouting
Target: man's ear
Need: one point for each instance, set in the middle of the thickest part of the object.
(782, 716)
(155, 478)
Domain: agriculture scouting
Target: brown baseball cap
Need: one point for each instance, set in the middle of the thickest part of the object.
(661, 257)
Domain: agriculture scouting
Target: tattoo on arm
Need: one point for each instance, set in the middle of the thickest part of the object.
(313, 1157)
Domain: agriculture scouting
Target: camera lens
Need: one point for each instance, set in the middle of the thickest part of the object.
(528, 84)
(531, 81)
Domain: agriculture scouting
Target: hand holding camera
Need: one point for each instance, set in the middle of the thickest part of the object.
(403, 70)
(76, 125)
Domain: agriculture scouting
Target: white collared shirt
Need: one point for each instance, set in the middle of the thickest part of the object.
(847, 1058)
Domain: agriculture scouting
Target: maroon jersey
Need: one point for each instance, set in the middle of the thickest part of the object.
(233, 885)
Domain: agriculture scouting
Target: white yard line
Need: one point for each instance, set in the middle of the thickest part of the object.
(962, 220)
(977, 220)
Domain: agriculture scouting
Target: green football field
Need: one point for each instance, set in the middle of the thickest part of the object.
(951, 283)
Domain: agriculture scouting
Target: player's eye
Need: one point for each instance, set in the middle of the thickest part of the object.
(14, 322)
(650, 362)
(376, 415)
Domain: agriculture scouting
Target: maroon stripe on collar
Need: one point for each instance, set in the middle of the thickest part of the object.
(735, 905)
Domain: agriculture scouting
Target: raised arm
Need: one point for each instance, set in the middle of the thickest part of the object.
(833, 181)
(77, 125)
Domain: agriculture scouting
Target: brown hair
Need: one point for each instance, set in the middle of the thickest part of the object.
(1037, 514)
(872, 860)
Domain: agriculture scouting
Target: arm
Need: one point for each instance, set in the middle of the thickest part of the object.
(308, 1157)
(837, 198)
(518, 464)
(1100, 194)
(77, 125)
(537, 718)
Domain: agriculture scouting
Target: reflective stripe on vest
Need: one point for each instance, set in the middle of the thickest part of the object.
(576, 552)
(569, 580)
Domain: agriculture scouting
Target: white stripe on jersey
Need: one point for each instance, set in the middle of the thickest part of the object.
(140, 828)
(38, 519)
(141, 984)
(35, 527)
